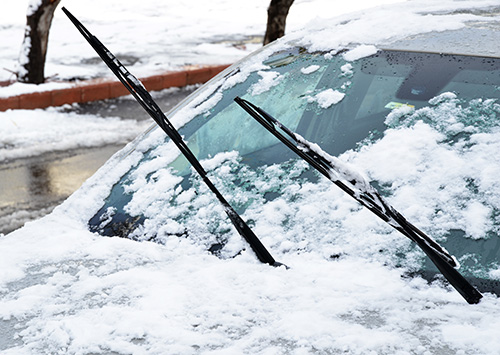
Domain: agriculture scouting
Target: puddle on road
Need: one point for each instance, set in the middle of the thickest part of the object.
(32, 187)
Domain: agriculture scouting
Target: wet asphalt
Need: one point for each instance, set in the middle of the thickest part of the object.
(32, 187)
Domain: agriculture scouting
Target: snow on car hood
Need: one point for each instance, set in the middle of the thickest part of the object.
(66, 290)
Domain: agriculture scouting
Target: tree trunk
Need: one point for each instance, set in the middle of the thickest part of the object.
(276, 19)
(36, 35)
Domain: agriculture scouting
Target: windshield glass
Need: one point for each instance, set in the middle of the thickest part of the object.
(422, 126)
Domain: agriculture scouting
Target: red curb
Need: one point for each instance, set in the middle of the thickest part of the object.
(116, 89)
(94, 92)
(9, 103)
(217, 69)
(175, 79)
(100, 89)
(197, 76)
(153, 83)
(35, 100)
(65, 96)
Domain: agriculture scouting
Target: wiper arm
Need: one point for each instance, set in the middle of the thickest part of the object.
(144, 98)
(362, 191)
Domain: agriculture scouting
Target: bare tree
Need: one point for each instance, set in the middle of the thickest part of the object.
(276, 19)
(36, 36)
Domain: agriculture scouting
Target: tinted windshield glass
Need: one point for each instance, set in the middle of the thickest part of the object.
(412, 121)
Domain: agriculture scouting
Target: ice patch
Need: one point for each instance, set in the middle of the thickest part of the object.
(310, 69)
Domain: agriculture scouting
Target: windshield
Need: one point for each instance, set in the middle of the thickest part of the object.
(423, 126)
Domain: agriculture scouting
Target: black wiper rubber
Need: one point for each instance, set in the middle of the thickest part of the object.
(350, 182)
(144, 98)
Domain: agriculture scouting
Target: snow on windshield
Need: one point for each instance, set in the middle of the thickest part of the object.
(327, 98)
(434, 164)
(72, 291)
(454, 140)
(359, 52)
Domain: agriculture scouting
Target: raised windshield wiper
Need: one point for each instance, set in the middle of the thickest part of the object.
(361, 190)
(144, 98)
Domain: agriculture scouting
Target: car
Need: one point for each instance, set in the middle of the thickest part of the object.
(412, 108)
(349, 101)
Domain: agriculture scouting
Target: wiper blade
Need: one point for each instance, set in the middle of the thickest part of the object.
(362, 191)
(144, 98)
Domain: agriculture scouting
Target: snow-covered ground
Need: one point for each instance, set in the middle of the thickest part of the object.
(66, 290)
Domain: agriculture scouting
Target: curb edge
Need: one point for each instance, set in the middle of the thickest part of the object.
(101, 89)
